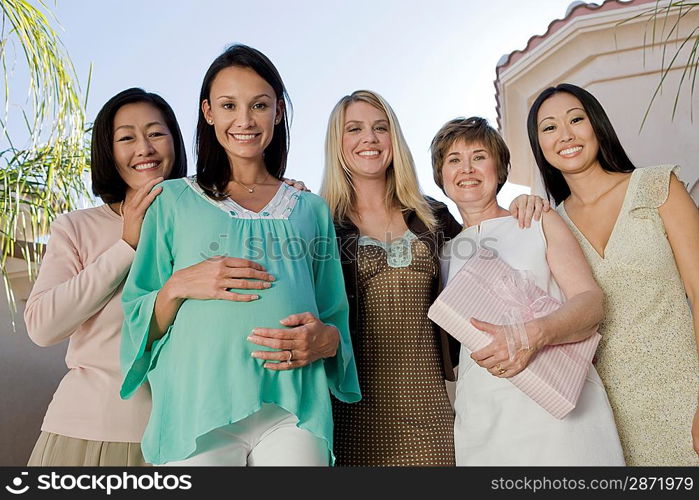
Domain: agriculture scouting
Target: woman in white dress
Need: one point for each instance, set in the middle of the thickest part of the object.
(496, 423)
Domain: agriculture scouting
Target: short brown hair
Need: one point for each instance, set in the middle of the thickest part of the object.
(470, 130)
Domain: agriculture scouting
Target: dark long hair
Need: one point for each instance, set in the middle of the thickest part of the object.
(106, 181)
(611, 154)
(213, 169)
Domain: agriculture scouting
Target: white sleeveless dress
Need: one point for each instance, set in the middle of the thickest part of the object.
(497, 424)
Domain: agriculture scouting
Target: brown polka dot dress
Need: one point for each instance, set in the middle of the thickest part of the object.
(404, 417)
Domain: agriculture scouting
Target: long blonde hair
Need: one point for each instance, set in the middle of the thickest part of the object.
(402, 186)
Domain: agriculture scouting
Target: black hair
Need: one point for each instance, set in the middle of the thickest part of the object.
(106, 181)
(611, 154)
(213, 168)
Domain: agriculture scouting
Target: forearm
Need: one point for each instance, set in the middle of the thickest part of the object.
(695, 317)
(693, 299)
(696, 331)
(575, 320)
(329, 342)
(167, 303)
(55, 311)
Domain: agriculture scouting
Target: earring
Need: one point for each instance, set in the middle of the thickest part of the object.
(211, 122)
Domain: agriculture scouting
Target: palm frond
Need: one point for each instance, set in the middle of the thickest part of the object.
(44, 176)
(664, 23)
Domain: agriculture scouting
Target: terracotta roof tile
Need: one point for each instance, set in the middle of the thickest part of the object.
(575, 9)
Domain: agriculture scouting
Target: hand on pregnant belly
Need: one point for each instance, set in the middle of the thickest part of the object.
(305, 340)
(212, 279)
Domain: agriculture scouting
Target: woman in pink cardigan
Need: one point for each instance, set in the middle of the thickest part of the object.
(136, 142)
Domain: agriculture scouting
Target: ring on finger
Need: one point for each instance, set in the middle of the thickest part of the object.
(291, 355)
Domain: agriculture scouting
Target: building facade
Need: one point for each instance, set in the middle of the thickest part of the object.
(615, 51)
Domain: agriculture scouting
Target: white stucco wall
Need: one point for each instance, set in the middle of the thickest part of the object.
(614, 63)
(29, 376)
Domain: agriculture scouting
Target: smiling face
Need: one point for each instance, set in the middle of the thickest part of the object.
(565, 134)
(366, 140)
(143, 147)
(243, 109)
(469, 173)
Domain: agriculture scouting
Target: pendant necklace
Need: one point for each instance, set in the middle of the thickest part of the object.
(250, 189)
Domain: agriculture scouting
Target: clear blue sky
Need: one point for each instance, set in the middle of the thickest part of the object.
(432, 60)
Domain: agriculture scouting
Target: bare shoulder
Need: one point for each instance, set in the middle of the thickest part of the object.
(552, 221)
(678, 200)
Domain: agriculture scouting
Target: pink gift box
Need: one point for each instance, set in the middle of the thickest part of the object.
(488, 289)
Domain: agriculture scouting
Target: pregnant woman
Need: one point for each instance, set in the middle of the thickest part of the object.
(217, 400)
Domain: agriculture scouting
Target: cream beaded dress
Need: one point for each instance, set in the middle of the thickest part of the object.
(647, 358)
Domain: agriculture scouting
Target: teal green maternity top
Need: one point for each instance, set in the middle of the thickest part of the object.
(201, 373)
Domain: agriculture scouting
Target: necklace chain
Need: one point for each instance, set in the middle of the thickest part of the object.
(388, 224)
(251, 189)
(389, 236)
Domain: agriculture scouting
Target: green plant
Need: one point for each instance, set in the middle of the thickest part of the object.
(663, 23)
(43, 177)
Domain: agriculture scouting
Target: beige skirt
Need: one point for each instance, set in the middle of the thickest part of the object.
(57, 450)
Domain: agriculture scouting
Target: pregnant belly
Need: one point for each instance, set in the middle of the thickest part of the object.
(216, 328)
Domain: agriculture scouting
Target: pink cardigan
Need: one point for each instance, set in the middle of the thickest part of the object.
(77, 296)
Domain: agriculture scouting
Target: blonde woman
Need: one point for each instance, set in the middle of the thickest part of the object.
(390, 236)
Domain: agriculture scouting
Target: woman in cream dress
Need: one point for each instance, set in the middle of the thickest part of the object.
(639, 230)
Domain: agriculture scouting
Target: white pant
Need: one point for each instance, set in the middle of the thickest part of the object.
(268, 437)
